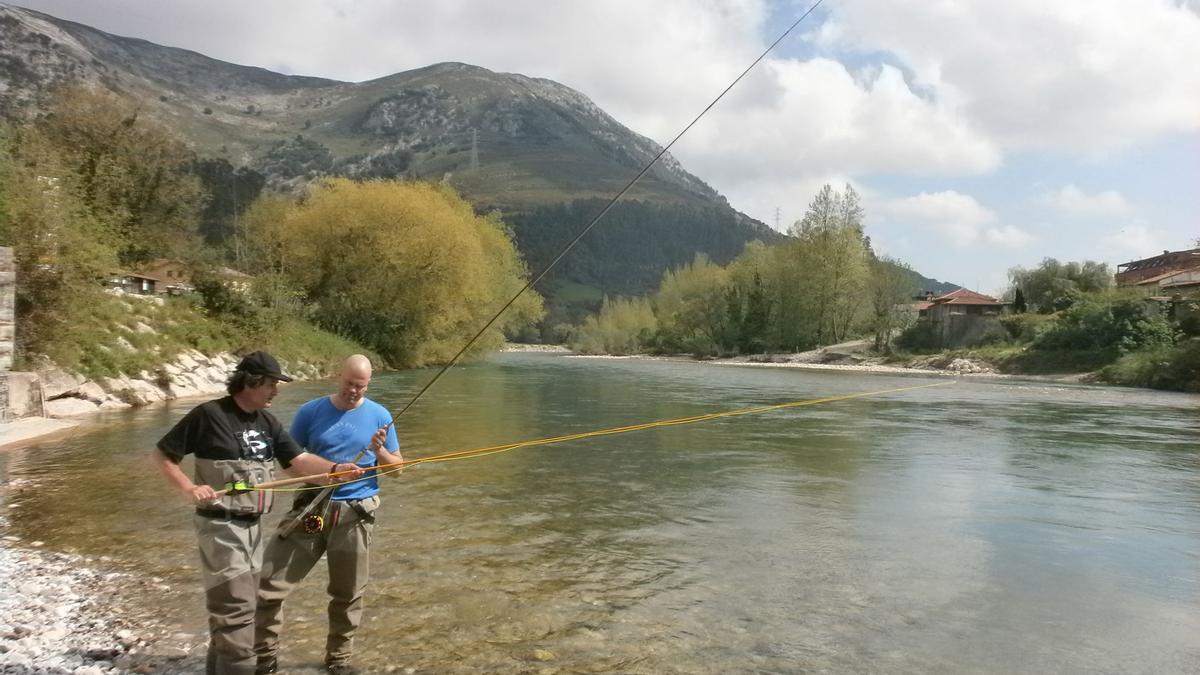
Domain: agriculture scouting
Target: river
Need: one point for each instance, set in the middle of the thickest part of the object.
(980, 527)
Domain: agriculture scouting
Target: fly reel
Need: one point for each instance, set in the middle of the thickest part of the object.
(313, 523)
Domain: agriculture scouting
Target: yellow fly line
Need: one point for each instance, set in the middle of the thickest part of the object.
(283, 485)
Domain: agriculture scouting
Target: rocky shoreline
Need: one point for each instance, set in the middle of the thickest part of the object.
(51, 399)
(59, 615)
(62, 613)
(851, 358)
(190, 374)
(528, 347)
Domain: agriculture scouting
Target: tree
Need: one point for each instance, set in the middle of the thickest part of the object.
(1053, 286)
(407, 268)
(126, 170)
(756, 319)
(692, 307)
(231, 192)
(1019, 304)
(622, 326)
(891, 287)
(62, 251)
(837, 272)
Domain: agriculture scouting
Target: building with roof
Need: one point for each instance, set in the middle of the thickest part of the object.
(1150, 270)
(962, 317)
(133, 283)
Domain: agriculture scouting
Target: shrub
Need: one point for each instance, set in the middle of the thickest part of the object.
(1159, 367)
(1025, 328)
(1106, 321)
(918, 337)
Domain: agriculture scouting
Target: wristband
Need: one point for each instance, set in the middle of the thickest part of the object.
(333, 469)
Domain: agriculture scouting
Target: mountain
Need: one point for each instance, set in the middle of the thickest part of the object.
(541, 152)
(504, 140)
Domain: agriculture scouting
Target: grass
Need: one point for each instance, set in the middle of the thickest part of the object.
(109, 338)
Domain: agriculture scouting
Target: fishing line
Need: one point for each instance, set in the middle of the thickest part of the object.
(279, 486)
(601, 214)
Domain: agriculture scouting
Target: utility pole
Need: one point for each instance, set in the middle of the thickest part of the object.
(777, 214)
(474, 149)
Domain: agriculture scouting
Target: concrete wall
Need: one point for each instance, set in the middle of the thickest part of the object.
(7, 305)
(7, 328)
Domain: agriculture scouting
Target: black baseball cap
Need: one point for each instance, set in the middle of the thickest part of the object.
(262, 363)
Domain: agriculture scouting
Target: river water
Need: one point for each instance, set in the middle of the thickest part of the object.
(984, 526)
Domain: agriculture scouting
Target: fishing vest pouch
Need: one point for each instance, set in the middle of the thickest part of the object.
(236, 475)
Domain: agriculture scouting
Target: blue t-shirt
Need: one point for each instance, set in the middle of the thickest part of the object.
(339, 435)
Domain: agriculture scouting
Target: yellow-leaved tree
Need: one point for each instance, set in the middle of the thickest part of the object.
(407, 268)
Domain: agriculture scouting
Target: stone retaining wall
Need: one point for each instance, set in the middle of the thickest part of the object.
(8, 277)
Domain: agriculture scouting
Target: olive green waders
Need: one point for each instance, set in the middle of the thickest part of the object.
(345, 539)
(231, 551)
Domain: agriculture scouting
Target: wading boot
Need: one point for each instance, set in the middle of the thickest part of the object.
(266, 665)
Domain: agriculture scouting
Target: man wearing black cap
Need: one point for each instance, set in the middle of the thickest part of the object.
(234, 441)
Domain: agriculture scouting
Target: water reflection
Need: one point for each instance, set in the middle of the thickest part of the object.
(979, 527)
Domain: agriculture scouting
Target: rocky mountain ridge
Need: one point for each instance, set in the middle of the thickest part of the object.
(504, 139)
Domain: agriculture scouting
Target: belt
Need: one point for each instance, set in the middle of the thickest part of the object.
(363, 515)
(222, 514)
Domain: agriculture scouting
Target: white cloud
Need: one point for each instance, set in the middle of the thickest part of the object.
(957, 218)
(1133, 241)
(653, 66)
(822, 118)
(1071, 199)
(961, 88)
(1007, 235)
(1086, 76)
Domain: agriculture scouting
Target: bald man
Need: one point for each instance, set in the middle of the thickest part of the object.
(336, 427)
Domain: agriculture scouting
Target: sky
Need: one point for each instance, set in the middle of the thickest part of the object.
(981, 135)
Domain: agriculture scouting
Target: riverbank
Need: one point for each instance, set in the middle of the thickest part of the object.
(854, 357)
(15, 433)
(64, 613)
(53, 400)
(526, 347)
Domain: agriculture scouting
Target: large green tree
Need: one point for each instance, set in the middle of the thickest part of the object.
(691, 306)
(1053, 286)
(125, 169)
(890, 287)
(62, 249)
(407, 268)
(835, 271)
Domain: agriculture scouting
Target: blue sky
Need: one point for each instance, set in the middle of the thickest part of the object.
(981, 135)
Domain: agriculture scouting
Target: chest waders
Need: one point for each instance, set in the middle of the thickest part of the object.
(236, 476)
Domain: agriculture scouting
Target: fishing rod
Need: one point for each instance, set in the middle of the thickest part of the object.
(327, 490)
(280, 485)
(596, 219)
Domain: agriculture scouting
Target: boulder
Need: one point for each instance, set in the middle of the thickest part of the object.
(68, 407)
(114, 404)
(56, 383)
(185, 361)
(92, 392)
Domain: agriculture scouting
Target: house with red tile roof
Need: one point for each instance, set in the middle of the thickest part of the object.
(963, 317)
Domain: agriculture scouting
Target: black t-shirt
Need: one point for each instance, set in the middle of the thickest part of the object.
(221, 430)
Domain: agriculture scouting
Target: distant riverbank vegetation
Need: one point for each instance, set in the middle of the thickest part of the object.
(826, 285)
(822, 286)
(92, 190)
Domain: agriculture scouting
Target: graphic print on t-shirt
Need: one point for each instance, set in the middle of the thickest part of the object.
(255, 445)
